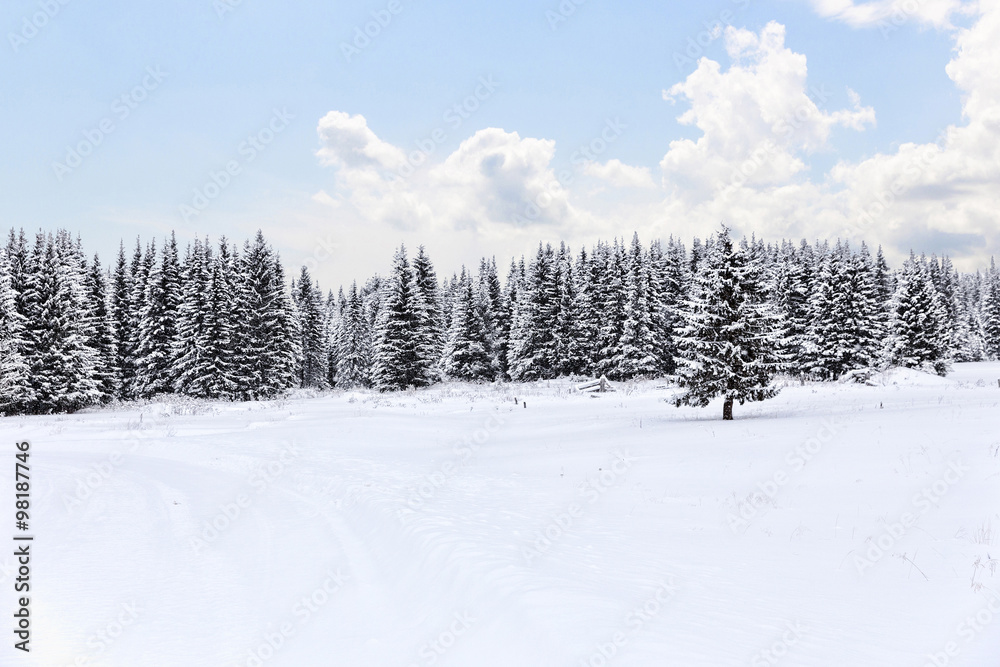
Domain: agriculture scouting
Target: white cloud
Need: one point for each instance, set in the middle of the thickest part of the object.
(322, 197)
(755, 118)
(747, 166)
(889, 14)
(349, 143)
(494, 176)
(621, 175)
(759, 120)
(946, 189)
(494, 180)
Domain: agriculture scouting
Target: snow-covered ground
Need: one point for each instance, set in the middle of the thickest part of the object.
(833, 525)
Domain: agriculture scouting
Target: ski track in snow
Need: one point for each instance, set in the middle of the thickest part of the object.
(638, 500)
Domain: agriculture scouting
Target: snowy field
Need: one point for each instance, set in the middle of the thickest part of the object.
(833, 525)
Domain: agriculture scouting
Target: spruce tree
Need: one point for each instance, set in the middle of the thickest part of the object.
(467, 355)
(919, 328)
(62, 364)
(354, 343)
(394, 364)
(729, 342)
(333, 309)
(512, 286)
(865, 320)
(884, 281)
(123, 320)
(609, 269)
(569, 348)
(192, 372)
(267, 341)
(284, 349)
(638, 349)
(971, 345)
(141, 269)
(102, 337)
(371, 297)
(156, 360)
(793, 283)
(530, 355)
(939, 272)
(314, 359)
(668, 288)
(586, 311)
(221, 324)
(448, 292)
(428, 333)
(824, 348)
(493, 310)
(14, 386)
(990, 310)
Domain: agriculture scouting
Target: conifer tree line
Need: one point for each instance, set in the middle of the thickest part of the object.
(719, 317)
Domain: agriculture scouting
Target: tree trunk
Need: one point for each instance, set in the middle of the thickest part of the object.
(727, 409)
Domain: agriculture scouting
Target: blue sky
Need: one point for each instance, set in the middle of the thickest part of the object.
(224, 69)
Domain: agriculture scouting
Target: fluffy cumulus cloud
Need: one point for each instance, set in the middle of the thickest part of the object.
(944, 191)
(495, 176)
(758, 121)
(756, 118)
(494, 180)
(349, 143)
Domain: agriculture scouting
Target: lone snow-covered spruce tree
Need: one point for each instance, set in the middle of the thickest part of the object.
(729, 343)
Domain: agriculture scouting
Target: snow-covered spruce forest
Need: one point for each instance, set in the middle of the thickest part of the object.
(223, 321)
